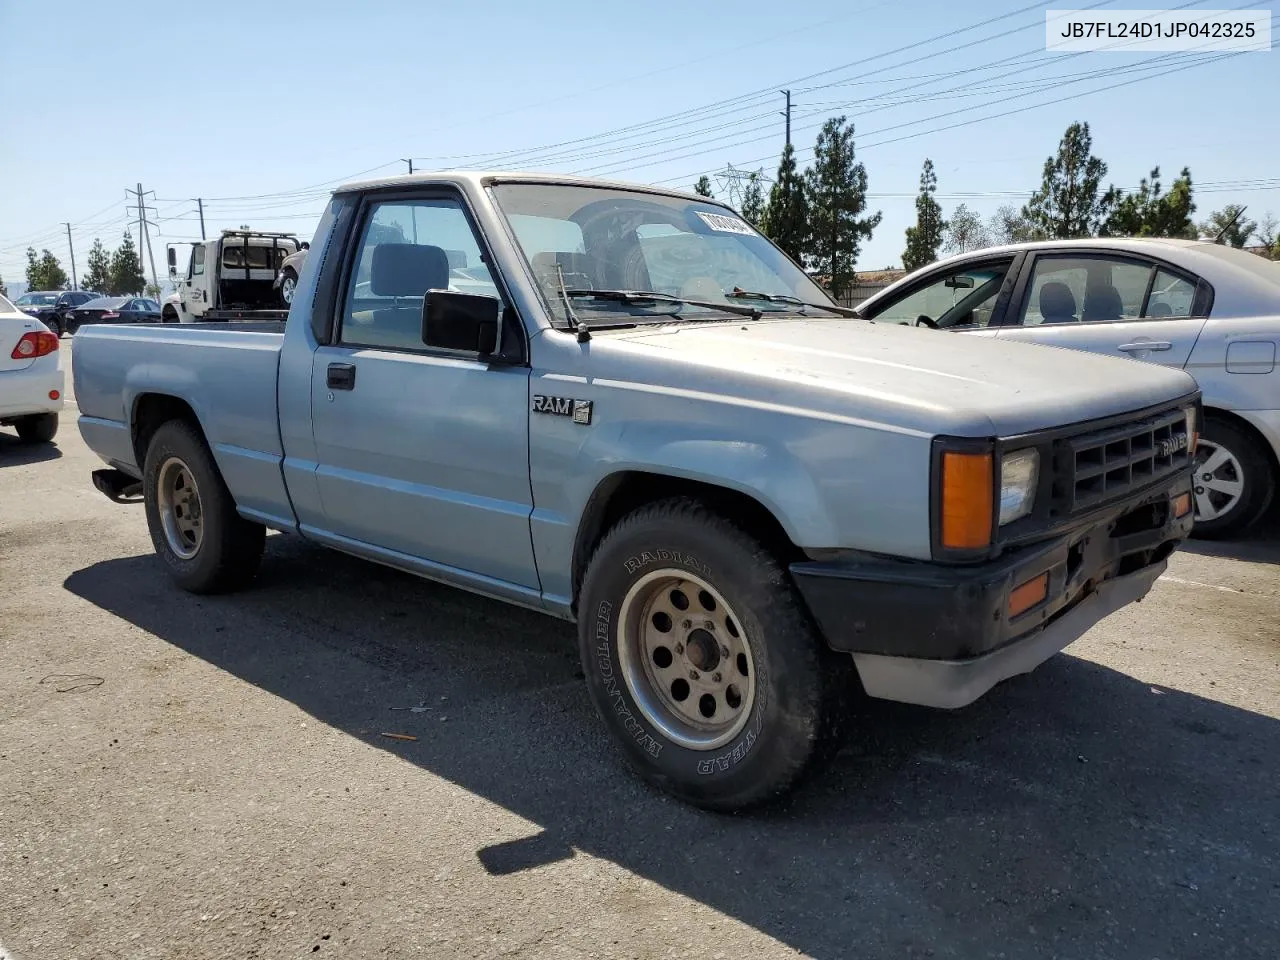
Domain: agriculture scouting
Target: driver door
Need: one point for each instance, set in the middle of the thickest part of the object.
(967, 297)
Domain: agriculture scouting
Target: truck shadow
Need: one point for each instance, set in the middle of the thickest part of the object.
(15, 453)
(1076, 811)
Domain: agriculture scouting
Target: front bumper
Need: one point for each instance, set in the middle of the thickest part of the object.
(942, 635)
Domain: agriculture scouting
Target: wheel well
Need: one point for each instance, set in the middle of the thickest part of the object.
(168, 310)
(150, 412)
(1244, 426)
(622, 493)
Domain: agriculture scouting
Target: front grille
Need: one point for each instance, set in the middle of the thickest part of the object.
(1105, 465)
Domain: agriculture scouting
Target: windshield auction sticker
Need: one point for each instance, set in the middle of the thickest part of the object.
(725, 224)
(1149, 31)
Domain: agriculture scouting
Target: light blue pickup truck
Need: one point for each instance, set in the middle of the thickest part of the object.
(625, 407)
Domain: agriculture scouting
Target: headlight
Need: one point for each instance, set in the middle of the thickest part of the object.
(1019, 473)
(1193, 429)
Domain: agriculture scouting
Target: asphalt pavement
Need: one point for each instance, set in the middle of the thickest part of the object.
(209, 777)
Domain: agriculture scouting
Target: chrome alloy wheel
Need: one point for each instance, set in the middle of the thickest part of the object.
(685, 659)
(1218, 481)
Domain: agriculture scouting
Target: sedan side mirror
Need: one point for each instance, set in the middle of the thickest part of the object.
(460, 321)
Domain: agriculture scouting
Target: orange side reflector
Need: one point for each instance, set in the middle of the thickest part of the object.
(967, 497)
(1023, 598)
(1181, 505)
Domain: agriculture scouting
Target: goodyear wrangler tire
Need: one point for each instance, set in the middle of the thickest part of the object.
(702, 660)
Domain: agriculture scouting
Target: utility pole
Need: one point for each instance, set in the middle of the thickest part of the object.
(200, 204)
(413, 211)
(787, 114)
(71, 247)
(144, 235)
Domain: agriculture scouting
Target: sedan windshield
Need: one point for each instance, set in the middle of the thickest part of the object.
(578, 239)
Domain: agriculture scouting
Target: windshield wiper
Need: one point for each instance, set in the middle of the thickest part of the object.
(787, 298)
(639, 296)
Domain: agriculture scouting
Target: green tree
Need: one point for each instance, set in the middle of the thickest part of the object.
(1010, 225)
(753, 200)
(1231, 222)
(837, 187)
(126, 269)
(703, 186)
(44, 272)
(1149, 212)
(4, 291)
(785, 219)
(98, 277)
(1070, 201)
(924, 239)
(152, 290)
(965, 231)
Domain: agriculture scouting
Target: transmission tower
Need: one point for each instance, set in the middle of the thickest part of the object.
(732, 181)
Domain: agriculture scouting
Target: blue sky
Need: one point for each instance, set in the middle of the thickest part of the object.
(258, 107)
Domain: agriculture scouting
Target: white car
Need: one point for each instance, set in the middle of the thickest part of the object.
(32, 378)
(1209, 309)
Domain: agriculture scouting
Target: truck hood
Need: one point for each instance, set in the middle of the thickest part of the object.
(913, 378)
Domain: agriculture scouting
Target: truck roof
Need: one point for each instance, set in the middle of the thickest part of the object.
(483, 178)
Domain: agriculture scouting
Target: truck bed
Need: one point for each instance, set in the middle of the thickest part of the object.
(226, 372)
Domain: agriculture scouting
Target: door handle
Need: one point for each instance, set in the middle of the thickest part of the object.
(1146, 345)
(341, 376)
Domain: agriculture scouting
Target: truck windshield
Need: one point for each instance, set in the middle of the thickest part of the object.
(610, 239)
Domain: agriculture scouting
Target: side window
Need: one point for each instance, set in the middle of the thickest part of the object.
(1171, 296)
(406, 248)
(1085, 289)
(197, 261)
(961, 298)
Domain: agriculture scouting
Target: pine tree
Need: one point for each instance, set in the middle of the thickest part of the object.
(703, 187)
(98, 278)
(837, 187)
(785, 219)
(753, 200)
(126, 269)
(1069, 202)
(1148, 212)
(924, 239)
(44, 272)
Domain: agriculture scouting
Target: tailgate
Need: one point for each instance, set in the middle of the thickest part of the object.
(11, 330)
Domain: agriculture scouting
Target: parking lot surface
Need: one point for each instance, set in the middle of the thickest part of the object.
(208, 777)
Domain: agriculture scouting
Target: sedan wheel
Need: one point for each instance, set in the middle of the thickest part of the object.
(1233, 480)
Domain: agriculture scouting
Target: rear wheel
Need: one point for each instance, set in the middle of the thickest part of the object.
(54, 323)
(195, 529)
(701, 659)
(39, 428)
(1233, 482)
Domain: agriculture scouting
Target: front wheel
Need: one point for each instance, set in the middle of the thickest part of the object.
(195, 529)
(701, 659)
(38, 428)
(1233, 482)
(288, 285)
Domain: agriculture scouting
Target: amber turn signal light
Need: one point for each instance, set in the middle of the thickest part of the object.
(1023, 598)
(967, 499)
(1181, 505)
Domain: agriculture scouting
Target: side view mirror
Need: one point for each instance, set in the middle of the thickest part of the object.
(173, 262)
(460, 321)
